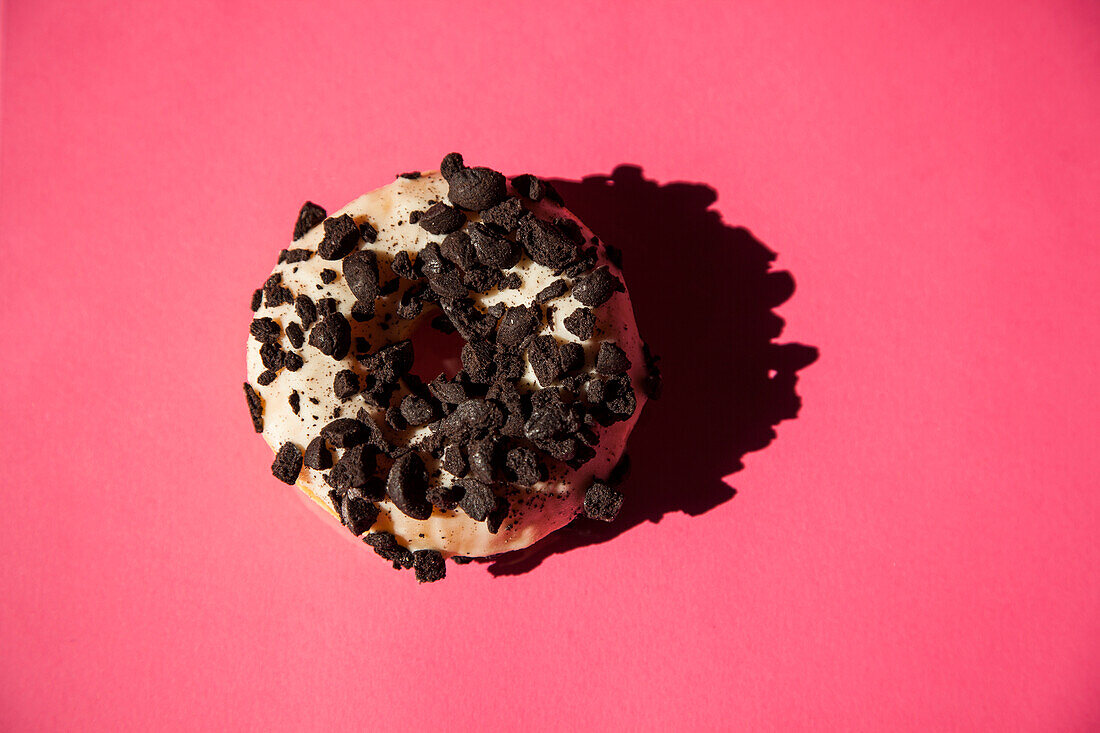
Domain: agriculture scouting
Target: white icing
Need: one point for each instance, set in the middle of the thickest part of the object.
(535, 511)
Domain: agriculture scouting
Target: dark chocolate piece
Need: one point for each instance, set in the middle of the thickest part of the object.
(368, 232)
(511, 281)
(402, 266)
(453, 461)
(482, 455)
(572, 357)
(459, 249)
(390, 363)
(534, 188)
(452, 163)
(475, 189)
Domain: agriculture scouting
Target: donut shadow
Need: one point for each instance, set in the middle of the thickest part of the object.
(703, 294)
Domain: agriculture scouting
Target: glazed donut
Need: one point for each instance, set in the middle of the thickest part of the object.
(529, 433)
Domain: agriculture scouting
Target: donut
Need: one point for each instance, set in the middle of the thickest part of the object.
(528, 434)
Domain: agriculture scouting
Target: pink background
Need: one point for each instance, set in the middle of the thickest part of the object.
(917, 550)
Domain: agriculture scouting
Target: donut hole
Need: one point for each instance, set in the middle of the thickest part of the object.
(435, 352)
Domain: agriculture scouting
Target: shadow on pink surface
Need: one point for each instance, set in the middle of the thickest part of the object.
(703, 293)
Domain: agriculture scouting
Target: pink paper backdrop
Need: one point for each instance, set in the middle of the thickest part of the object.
(917, 550)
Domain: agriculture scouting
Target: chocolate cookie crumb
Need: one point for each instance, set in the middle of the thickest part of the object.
(385, 545)
(572, 357)
(523, 466)
(294, 255)
(546, 244)
(293, 362)
(306, 310)
(453, 462)
(354, 468)
(357, 514)
(602, 502)
(506, 214)
(317, 455)
(544, 359)
(478, 499)
(441, 219)
(368, 232)
(295, 401)
(412, 175)
(461, 560)
(309, 216)
(266, 377)
(597, 287)
(341, 236)
(580, 323)
(272, 356)
(416, 410)
(257, 299)
(407, 486)
(345, 385)
(295, 334)
(328, 276)
(429, 566)
(288, 464)
(611, 359)
(265, 330)
(511, 281)
(474, 189)
(332, 336)
(554, 290)
(361, 275)
(255, 407)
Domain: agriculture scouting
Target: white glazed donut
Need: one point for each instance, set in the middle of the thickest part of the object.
(328, 366)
